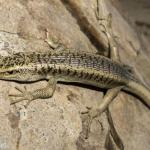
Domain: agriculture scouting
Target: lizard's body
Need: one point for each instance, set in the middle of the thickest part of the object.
(68, 66)
(90, 69)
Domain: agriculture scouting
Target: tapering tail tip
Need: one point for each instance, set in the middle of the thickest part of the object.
(139, 90)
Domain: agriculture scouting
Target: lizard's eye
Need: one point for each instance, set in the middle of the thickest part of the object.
(10, 72)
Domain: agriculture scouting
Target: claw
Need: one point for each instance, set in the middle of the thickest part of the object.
(24, 95)
(87, 123)
(91, 115)
(19, 89)
(18, 100)
(16, 95)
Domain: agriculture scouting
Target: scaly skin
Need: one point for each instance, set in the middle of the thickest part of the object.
(67, 66)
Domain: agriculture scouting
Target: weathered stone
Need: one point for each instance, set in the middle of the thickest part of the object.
(56, 123)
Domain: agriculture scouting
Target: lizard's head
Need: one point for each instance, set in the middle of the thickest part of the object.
(5, 68)
(9, 74)
(12, 68)
(6, 75)
(19, 67)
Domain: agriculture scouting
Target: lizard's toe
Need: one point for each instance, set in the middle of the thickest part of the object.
(24, 95)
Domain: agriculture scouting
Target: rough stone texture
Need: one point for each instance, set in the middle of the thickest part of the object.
(56, 123)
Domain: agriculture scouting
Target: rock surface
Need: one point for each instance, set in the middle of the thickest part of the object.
(55, 123)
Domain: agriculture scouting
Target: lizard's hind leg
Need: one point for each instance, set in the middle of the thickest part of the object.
(111, 93)
(101, 107)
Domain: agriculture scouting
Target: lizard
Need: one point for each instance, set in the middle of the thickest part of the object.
(71, 66)
(68, 66)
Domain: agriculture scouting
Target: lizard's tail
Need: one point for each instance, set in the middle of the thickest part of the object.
(139, 90)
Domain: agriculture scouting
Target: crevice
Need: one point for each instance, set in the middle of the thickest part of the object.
(86, 27)
(141, 23)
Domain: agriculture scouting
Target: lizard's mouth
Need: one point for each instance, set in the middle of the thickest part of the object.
(8, 77)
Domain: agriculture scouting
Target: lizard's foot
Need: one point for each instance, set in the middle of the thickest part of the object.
(42, 93)
(54, 43)
(100, 108)
(24, 95)
(91, 114)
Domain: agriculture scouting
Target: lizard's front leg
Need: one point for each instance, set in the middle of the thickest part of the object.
(53, 43)
(42, 93)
